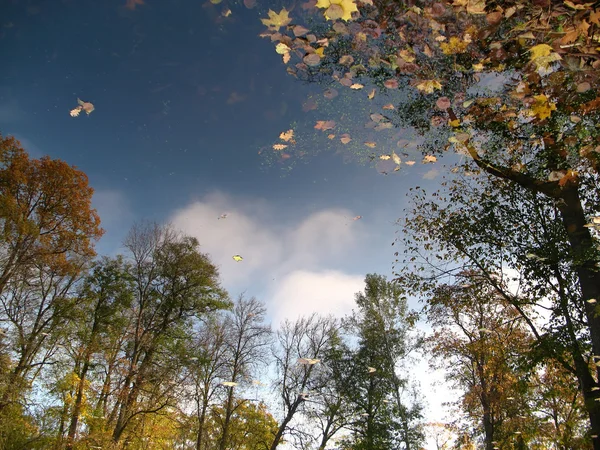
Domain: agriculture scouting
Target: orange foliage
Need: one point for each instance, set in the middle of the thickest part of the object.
(45, 212)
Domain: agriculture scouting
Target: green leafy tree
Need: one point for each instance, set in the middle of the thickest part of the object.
(384, 415)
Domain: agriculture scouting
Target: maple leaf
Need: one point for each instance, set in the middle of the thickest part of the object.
(287, 135)
(277, 20)
(75, 112)
(428, 86)
(540, 50)
(542, 107)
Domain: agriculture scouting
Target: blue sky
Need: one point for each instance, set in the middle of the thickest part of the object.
(185, 99)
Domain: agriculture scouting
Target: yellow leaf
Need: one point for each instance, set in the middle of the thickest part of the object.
(454, 46)
(384, 157)
(454, 123)
(372, 94)
(320, 51)
(371, 144)
(277, 20)
(429, 158)
(337, 9)
(279, 146)
(356, 86)
(395, 158)
(542, 107)
(428, 86)
(237, 258)
(282, 49)
(539, 50)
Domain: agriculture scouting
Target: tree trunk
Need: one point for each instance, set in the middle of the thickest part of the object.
(584, 258)
(228, 413)
(285, 422)
(77, 406)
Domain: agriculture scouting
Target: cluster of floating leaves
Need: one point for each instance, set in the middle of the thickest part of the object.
(82, 106)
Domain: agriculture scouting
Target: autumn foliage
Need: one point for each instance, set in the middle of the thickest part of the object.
(45, 210)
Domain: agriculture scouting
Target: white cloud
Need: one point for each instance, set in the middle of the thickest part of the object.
(302, 292)
(270, 247)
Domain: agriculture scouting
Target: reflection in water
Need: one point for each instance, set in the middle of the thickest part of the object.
(259, 132)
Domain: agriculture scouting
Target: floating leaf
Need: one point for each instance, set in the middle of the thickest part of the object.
(443, 103)
(279, 146)
(409, 163)
(338, 9)
(331, 136)
(385, 157)
(75, 112)
(277, 20)
(429, 159)
(287, 135)
(356, 86)
(371, 144)
(237, 258)
(389, 106)
(372, 94)
(308, 361)
(325, 125)
(86, 106)
(345, 138)
(282, 48)
(428, 86)
(312, 59)
(542, 107)
(392, 83)
(395, 158)
(330, 93)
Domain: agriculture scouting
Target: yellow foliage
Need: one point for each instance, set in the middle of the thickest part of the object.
(338, 9)
(428, 86)
(454, 46)
(277, 20)
(542, 107)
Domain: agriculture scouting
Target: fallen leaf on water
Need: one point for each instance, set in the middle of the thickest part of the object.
(331, 136)
(428, 86)
(356, 86)
(75, 112)
(312, 59)
(325, 125)
(371, 144)
(385, 157)
(277, 20)
(345, 138)
(287, 135)
(429, 158)
(279, 146)
(409, 163)
(396, 158)
(372, 94)
(86, 106)
(391, 83)
(388, 106)
(308, 361)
